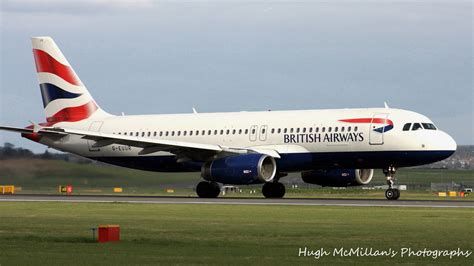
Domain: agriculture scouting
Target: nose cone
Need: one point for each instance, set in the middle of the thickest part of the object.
(449, 143)
(446, 144)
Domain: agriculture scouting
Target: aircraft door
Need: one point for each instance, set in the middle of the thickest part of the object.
(263, 133)
(375, 137)
(95, 127)
(253, 133)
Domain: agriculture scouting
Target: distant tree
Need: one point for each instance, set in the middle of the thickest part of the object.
(8, 150)
(46, 155)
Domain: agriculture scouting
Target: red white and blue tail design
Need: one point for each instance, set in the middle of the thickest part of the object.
(65, 98)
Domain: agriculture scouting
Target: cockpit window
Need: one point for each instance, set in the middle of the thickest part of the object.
(406, 127)
(416, 126)
(428, 126)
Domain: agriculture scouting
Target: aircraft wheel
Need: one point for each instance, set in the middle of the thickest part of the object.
(279, 190)
(397, 194)
(266, 190)
(215, 190)
(273, 190)
(208, 189)
(392, 194)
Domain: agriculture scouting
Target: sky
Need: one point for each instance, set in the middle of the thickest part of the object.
(154, 57)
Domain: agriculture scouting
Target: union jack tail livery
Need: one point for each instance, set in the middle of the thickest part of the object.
(65, 98)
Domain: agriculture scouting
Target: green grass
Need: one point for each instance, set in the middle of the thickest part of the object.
(59, 233)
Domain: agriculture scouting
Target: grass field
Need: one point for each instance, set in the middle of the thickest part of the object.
(59, 234)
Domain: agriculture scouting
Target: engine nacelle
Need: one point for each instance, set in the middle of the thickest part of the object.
(338, 177)
(244, 169)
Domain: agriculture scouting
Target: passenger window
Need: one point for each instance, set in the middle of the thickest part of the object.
(355, 129)
(149, 133)
(161, 133)
(310, 130)
(428, 126)
(298, 130)
(335, 129)
(233, 131)
(329, 129)
(240, 131)
(263, 130)
(190, 132)
(172, 133)
(227, 132)
(342, 129)
(406, 127)
(291, 130)
(273, 131)
(222, 132)
(304, 130)
(143, 134)
(416, 126)
(246, 131)
(323, 129)
(285, 130)
(348, 129)
(136, 134)
(167, 133)
(215, 132)
(253, 131)
(125, 133)
(179, 133)
(317, 129)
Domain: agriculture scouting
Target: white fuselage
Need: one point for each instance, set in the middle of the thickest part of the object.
(293, 134)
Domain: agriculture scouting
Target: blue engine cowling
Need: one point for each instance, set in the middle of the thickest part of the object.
(244, 169)
(338, 177)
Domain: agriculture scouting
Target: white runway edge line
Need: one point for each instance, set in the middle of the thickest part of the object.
(235, 203)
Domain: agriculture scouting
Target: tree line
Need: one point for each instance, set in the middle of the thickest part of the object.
(9, 151)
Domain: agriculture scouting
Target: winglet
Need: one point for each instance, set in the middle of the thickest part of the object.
(386, 105)
(194, 111)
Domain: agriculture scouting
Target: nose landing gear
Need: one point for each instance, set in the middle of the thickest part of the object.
(391, 193)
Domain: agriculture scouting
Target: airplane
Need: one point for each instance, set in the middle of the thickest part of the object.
(334, 147)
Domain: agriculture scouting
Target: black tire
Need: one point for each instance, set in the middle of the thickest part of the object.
(215, 190)
(279, 190)
(273, 190)
(390, 194)
(202, 189)
(208, 189)
(397, 194)
(267, 190)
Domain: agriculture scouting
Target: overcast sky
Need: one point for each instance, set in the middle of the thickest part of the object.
(152, 57)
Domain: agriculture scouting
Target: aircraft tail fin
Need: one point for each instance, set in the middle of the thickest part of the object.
(65, 97)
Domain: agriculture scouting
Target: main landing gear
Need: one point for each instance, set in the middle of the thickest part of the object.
(208, 189)
(273, 190)
(391, 193)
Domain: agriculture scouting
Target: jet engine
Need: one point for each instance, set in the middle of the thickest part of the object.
(338, 177)
(244, 169)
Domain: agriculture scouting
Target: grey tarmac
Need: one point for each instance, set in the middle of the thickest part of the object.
(239, 201)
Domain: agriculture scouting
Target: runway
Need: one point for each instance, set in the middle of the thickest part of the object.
(240, 201)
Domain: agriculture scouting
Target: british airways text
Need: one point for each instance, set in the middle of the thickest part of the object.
(328, 137)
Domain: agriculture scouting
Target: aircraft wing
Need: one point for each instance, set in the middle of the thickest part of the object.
(184, 150)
